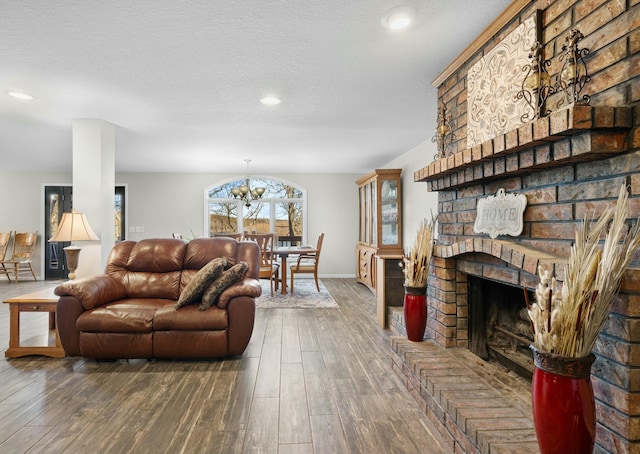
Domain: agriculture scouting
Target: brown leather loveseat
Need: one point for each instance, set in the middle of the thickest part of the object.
(130, 311)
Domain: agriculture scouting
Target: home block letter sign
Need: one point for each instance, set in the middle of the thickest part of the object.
(500, 214)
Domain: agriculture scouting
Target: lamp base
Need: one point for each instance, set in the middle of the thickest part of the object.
(72, 253)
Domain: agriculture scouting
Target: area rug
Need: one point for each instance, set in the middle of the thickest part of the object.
(305, 296)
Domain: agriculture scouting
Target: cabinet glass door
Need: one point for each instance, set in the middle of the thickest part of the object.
(367, 214)
(389, 204)
(374, 214)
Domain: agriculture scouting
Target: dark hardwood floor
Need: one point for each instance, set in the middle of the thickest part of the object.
(311, 381)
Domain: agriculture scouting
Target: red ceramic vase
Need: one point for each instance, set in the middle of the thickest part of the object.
(564, 412)
(415, 312)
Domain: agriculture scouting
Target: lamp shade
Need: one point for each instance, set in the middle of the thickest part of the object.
(74, 227)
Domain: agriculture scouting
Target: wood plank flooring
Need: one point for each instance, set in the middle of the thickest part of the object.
(311, 381)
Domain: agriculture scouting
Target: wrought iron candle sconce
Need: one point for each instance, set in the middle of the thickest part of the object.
(536, 85)
(571, 79)
(444, 135)
(573, 75)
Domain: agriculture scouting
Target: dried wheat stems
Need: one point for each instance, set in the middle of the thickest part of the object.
(567, 322)
(416, 262)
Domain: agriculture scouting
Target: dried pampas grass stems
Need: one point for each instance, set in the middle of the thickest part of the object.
(416, 262)
(567, 322)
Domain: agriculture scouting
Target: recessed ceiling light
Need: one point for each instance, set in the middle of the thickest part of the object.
(399, 17)
(20, 95)
(270, 100)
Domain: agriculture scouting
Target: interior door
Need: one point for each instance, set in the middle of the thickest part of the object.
(120, 213)
(57, 200)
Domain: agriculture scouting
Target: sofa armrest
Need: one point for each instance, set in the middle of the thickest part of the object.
(241, 313)
(93, 291)
(246, 287)
(68, 310)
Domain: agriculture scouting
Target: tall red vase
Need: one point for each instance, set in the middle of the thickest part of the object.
(415, 312)
(563, 404)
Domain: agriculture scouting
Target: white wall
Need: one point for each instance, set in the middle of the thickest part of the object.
(417, 202)
(22, 207)
(166, 203)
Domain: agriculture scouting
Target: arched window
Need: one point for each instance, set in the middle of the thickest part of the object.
(281, 209)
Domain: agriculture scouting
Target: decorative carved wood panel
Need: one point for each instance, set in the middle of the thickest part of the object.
(492, 84)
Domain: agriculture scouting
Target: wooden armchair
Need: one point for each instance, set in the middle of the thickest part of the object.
(269, 269)
(308, 263)
(5, 239)
(20, 261)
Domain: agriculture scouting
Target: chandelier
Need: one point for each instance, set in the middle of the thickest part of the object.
(244, 191)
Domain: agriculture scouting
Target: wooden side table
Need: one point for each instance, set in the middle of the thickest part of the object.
(40, 301)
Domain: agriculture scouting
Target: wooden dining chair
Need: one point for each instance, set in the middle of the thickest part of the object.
(308, 263)
(5, 239)
(269, 269)
(235, 236)
(20, 261)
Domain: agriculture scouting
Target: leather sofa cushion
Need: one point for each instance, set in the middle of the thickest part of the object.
(157, 255)
(153, 285)
(190, 318)
(190, 344)
(116, 345)
(150, 268)
(125, 316)
(147, 315)
(200, 251)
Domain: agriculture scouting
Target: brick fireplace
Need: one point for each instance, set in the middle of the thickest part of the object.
(569, 164)
(575, 166)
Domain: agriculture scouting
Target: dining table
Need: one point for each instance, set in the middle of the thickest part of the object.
(286, 251)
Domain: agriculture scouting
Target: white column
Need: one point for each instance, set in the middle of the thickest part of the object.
(94, 189)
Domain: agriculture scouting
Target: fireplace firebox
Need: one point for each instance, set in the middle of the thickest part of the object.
(499, 328)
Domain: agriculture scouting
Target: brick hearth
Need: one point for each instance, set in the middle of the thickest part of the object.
(477, 406)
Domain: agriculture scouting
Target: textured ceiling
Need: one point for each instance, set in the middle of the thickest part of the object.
(181, 80)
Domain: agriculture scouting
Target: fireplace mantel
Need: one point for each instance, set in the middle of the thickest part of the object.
(517, 255)
(577, 133)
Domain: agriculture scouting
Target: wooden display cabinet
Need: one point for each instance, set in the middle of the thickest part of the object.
(380, 221)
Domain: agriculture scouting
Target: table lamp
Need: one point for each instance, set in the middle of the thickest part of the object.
(73, 227)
